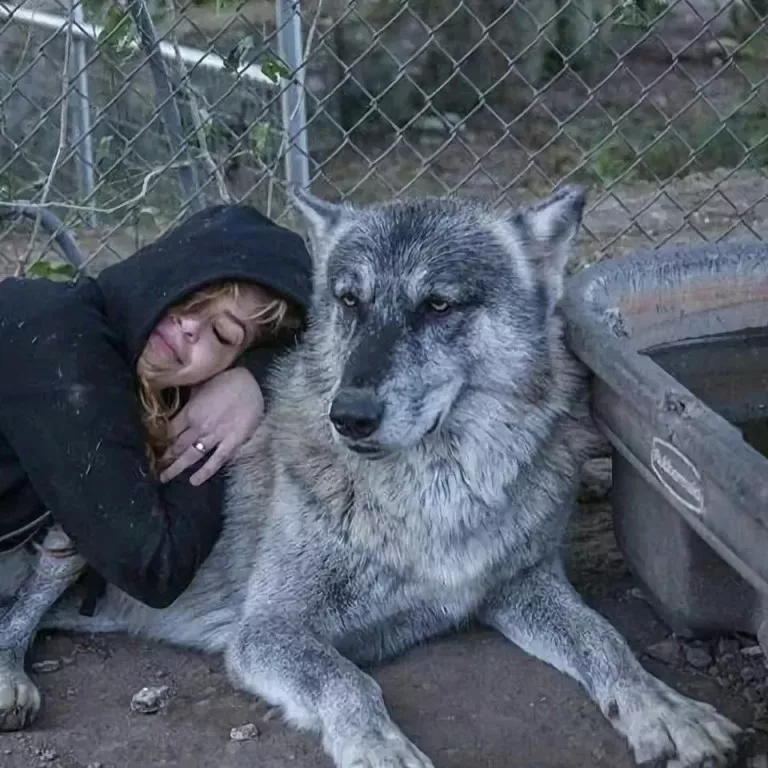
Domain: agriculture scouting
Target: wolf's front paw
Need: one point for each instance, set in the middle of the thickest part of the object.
(19, 699)
(667, 729)
(384, 748)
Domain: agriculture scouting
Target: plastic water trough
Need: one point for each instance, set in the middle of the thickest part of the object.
(677, 343)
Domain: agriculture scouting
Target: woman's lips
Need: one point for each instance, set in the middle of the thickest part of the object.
(164, 345)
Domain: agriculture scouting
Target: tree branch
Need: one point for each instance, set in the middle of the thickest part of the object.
(166, 99)
(63, 120)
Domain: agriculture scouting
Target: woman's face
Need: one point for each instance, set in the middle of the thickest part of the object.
(188, 348)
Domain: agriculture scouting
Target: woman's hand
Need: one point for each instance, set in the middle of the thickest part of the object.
(221, 414)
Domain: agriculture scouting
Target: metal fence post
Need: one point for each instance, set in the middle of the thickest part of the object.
(290, 47)
(82, 137)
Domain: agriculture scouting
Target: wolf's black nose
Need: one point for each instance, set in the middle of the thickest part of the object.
(356, 413)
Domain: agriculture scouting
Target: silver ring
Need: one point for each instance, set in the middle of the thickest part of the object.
(199, 446)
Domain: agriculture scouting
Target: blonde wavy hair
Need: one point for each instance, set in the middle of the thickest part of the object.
(158, 408)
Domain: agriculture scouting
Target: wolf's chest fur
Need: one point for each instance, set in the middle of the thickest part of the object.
(443, 520)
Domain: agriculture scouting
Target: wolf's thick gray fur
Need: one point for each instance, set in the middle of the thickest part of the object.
(417, 469)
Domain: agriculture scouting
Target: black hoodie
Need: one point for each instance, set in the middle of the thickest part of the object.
(71, 438)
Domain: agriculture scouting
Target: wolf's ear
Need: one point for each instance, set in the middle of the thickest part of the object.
(320, 216)
(550, 227)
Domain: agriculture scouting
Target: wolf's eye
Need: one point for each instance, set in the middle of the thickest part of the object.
(348, 300)
(437, 306)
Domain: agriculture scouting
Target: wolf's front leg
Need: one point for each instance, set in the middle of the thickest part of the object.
(320, 690)
(56, 567)
(542, 613)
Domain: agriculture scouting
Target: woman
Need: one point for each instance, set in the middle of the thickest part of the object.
(92, 373)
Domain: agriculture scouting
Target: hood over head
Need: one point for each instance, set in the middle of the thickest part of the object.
(217, 244)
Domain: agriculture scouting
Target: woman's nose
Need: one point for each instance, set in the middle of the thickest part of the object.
(190, 327)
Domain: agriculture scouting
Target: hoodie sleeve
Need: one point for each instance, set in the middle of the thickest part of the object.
(69, 410)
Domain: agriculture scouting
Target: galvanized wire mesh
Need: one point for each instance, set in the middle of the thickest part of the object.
(143, 176)
(660, 107)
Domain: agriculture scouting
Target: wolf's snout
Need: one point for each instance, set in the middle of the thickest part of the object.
(356, 413)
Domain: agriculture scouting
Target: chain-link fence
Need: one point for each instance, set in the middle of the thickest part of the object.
(122, 116)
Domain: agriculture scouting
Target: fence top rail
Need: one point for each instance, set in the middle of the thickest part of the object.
(192, 57)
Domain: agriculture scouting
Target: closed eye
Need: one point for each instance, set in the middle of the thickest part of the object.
(231, 332)
(230, 335)
(223, 339)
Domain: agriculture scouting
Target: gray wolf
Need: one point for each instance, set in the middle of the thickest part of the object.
(417, 470)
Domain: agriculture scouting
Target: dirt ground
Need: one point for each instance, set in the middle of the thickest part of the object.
(470, 701)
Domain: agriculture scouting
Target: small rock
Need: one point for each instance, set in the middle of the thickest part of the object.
(698, 657)
(95, 765)
(432, 124)
(149, 700)
(46, 665)
(729, 665)
(667, 651)
(47, 755)
(748, 674)
(245, 732)
(727, 646)
(752, 650)
(637, 594)
(455, 119)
